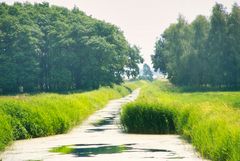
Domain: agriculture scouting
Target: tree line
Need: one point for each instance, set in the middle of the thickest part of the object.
(50, 48)
(205, 52)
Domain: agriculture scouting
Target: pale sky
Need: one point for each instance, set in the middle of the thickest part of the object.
(142, 21)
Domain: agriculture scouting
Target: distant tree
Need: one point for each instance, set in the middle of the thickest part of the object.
(8, 76)
(199, 55)
(172, 50)
(159, 59)
(233, 47)
(147, 73)
(132, 69)
(217, 53)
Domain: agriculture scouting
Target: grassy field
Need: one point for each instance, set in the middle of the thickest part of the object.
(28, 116)
(209, 120)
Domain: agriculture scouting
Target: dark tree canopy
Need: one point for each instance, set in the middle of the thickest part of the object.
(50, 48)
(203, 53)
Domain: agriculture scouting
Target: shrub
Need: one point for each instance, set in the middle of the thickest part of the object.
(209, 120)
(147, 118)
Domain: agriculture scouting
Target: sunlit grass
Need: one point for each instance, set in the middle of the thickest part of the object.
(46, 114)
(210, 120)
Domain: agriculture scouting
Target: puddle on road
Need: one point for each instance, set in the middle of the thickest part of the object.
(86, 151)
(99, 129)
(104, 121)
(96, 130)
(91, 150)
(101, 125)
(176, 158)
(90, 144)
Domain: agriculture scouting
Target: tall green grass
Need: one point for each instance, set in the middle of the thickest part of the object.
(25, 116)
(209, 120)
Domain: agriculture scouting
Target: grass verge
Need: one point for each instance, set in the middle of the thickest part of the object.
(209, 120)
(25, 116)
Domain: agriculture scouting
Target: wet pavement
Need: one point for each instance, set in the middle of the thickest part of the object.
(100, 139)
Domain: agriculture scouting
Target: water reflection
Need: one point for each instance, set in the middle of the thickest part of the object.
(104, 121)
(90, 150)
(86, 151)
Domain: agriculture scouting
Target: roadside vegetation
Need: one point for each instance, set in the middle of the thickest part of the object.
(199, 56)
(209, 120)
(29, 116)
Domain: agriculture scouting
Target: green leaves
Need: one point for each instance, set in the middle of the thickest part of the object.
(203, 53)
(51, 48)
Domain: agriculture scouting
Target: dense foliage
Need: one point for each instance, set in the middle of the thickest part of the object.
(52, 48)
(203, 53)
(25, 116)
(209, 120)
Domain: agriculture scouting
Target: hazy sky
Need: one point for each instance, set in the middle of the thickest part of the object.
(142, 21)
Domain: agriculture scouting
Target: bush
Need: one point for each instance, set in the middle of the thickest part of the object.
(146, 118)
(209, 120)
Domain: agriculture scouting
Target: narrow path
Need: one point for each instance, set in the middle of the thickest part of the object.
(100, 139)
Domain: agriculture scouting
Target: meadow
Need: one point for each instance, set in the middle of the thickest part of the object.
(208, 120)
(28, 116)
